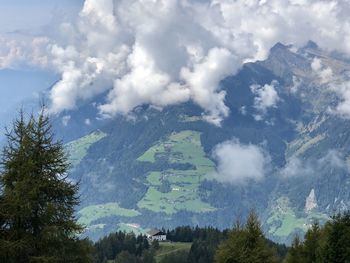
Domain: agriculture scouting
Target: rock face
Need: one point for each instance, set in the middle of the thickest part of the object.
(311, 201)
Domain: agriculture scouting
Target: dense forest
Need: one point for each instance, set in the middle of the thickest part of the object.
(38, 223)
(205, 245)
(244, 243)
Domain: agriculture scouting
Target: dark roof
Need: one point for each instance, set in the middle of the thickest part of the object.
(155, 232)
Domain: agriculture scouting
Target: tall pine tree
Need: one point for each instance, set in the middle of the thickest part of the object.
(37, 222)
(246, 244)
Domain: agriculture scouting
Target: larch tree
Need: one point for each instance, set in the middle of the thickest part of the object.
(37, 201)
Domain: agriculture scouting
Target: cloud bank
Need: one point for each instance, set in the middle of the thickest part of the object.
(297, 167)
(164, 52)
(239, 163)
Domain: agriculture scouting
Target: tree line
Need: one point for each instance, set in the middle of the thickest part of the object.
(38, 223)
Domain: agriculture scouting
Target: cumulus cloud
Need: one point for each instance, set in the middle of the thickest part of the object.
(165, 52)
(18, 52)
(265, 97)
(239, 163)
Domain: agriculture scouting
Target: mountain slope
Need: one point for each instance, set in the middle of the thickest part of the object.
(156, 167)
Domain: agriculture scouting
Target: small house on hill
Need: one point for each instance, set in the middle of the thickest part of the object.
(156, 234)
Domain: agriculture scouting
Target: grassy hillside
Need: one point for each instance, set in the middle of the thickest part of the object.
(284, 221)
(172, 190)
(77, 149)
(168, 248)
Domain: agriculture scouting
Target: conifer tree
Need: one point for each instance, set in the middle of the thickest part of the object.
(37, 222)
(246, 244)
(337, 247)
(311, 249)
(295, 253)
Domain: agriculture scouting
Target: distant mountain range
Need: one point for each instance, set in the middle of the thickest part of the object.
(161, 168)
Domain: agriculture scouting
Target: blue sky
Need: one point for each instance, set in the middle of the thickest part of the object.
(179, 53)
(31, 14)
(18, 84)
(29, 17)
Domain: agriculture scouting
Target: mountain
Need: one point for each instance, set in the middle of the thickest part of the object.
(157, 167)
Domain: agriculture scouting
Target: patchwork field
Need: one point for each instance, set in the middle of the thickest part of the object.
(172, 190)
(77, 149)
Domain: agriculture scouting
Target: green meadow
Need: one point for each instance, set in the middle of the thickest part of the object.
(181, 192)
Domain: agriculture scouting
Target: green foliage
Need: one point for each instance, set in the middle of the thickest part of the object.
(169, 249)
(337, 244)
(155, 245)
(185, 244)
(246, 244)
(127, 244)
(203, 250)
(148, 256)
(295, 253)
(37, 222)
(312, 243)
(126, 257)
(176, 257)
(328, 244)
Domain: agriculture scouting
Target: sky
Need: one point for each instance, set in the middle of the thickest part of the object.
(29, 15)
(23, 19)
(164, 52)
(159, 52)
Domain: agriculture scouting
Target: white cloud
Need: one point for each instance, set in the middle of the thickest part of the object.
(296, 167)
(16, 53)
(265, 97)
(144, 84)
(239, 163)
(342, 88)
(335, 159)
(65, 120)
(168, 51)
(87, 122)
(325, 74)
(339, 83)
(243, 110)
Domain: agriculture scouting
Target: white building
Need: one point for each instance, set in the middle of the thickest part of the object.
(156, 234)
